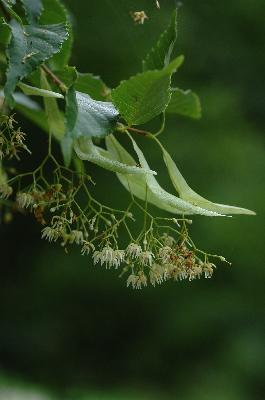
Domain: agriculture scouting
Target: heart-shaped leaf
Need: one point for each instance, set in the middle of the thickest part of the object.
(92, 85)
(146, 95)
(30, 46)
(84, 82)
(160, 54)
(54, 13)
(184, 103)
(33, 9)
(88, 117)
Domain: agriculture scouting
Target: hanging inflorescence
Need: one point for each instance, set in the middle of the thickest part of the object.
(87, 125)
(60, 200)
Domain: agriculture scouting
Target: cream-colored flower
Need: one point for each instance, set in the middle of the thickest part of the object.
(146, 258)
(156, 274)
(139, 17)
(5, 191)
(118, 258)
(168, 240)
(132, 279)
(109, 257)
(76, 237)
(50, 234)
(24, 200)
(87, 248)
(133, 250)
(165, 254)
(137, 281)
(208, 269)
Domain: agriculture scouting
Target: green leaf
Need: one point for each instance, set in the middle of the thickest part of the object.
(92, 85)
(30, 46)
(184, 103)
(55, 13)
(54, 115)
(68, 75)
(85, 83)
(33, 9)
(34, 91)
(187, 194)
(160, 55)
(146, 95)
(85, 117)
(4, 33)
(86, 150)
(88, 117)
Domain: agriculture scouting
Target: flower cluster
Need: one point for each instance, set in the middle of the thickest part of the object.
(40, 200)
(109, 257)
(176, 262)
(62, 203)
(150, 258)
(11, 138)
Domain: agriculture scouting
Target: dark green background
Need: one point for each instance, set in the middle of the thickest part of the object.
(73, 328)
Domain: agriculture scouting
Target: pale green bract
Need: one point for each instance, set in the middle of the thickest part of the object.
(136, 185)
(148, 188)
(187, 194)
(181, 206)
(34, 91)
(54, 116)
(86, 150)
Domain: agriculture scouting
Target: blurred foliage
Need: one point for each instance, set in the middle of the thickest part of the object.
(65, 324)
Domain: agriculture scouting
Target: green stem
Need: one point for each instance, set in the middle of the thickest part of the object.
(145, 133)
(8, 13)
(54, 78)
(162, 128)
(139, 131)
